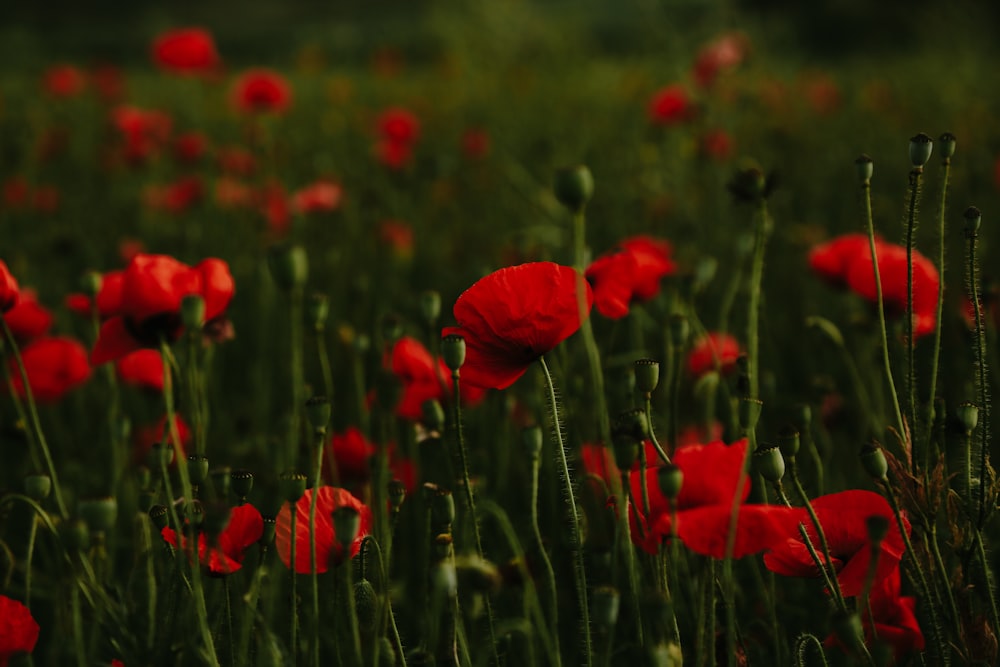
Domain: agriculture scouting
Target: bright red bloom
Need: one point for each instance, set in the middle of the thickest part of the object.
(832, 260)
(28, 319)
(670, 106)
(512, 317)
(423, 380)
(632, 273)
(317, 197)
(109, 297)
(142, 368)
(185, 51)
(843, 517)
(10, 293)
(262, 90)
(243, 530)
(328, 549)
(64, 81)
(55, 365)
(714, 351)
(721, 54)
(153, 287)
(190, 147)
(398, 126)
(18, 629)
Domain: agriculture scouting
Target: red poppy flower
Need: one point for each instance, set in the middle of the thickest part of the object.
(45, 199)
(109, 297)
(714, 351)
(832, 260)
(262, 90)
(18, 629)
(10, 293)
(398, 126)
(153, 287)
(108, 81)
(54, 365)
(190, 147)
(422, 379)
(145, 437)
(512, 317)
(233, 194)
(393, 155)
(144, 131)
(670, 106)
(721, 54)
(632, 273)
(142, 368)
(243, 530)
(320, 196)
(28, 319)
(176, 197)
(843, 517)
(64, 81)
(185, 51)
(328, 549)
(352, 453)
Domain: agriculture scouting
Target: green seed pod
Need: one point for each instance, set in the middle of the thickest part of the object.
(848, 628)
(947, 142)
(631, 423)
(749, 412)
(973, 219)
(573, 187)
(91, 283)
(921, 146)
(193, 312)
(430, 307)
(292, 485)
(873, 460)
(789, 441)
(605, 603)
(453, 351)
(866, 167)
(195, 513)
(749, 184)
(317, 311)
(197, 468)
(99, 513)
(670, 479)
(289, 266)
(318, 413)
(647, 375)
(531, 440)
(144, 477)
(443, 508)
(625, 450)
(878, 528)
(37, 487)
(242, 483)
(803, 417)
(366, 606)
(346, 524)
(159, 516)
(433, 414)
(222, 479)
(769, 463)
(267, 536)
(397, 494)
(968, 416)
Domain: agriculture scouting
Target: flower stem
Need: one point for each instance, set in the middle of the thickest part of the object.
(987, 584)
(551, 594)
(940, 312)
(579, 571)
(298, 381)
(314, 570)
(826, 565)
(984, 409)
(911, 376)
(293, 644)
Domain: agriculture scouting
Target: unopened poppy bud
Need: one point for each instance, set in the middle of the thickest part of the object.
(289, 266)
(947, 143)
(531, 439)
(99, 513)
(317, 310)
(680, 330)
(158, 514)
(216, 517)
(366, 605)
(267, 535)
(292, 486)
(605, 602)
(193, 312)
(318, 413)
(749, 412)
(769, 463)
(397, 494)
(430, 307)
(921, 146)
(444, 578)
(75, 535)
(346, 524)
(749, 183)
(866, 167)
(573, 187)
(453, 351)
(197, 468)
(968, 416)
(878, 528)
(789, 441)
(626, 451)
(671, 479)
(647, 375)
(973, 218)
(632, 423)
(443, 508)
(873, 460)
(91, 282)
(37, 487)
(433, 414)
(242, 483)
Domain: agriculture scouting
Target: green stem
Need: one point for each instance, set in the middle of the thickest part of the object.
(911, 378)
(579, 571)
(652, 438)
(293, 644)
(945, 583)
(78, 644)
(984, 409)
(352, 612)
(314, 570)
(324, 362)
(32, 532)
(987, 584)
(940, 312)
(298, 374)
(551, 594)
(826, 565)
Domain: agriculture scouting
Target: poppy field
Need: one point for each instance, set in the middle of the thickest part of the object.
(524, 340)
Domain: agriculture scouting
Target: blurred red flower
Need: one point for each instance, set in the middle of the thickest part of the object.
(843, 517)
(328, 550)
(262, 90)
(145, 437)
(423, 380)
(18, 629)
(233, 194)
(243, 530)
(108, 81)
(16, 192)
(45, 199)
(144, 132)
(272, 203)
(185, 51)
(670, 106)
(512, 317)
(28, 319)
(317, 197)
(153, 287)
(715, 351)
(109, 297)
(54, 365)
(717, 144)
(177, 197)
(142, 368)
(398, 125)
(476, 143)
(352, 453)
(721, 54)
(9, 291)
(190, 147)
(393, 155)
(64, 81)
(632, 273)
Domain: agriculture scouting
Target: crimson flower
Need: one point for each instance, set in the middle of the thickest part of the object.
(64, 81)
(512, 317)
(225, 556)
(142, 368)
(843, 517)
(143, 131)
(715, 351)
(152, 290)
(262, 90)
(28, 319)
(670, 106)
(10, 293)
(393, 154)
(631, 273)
(18, 629)
(398, 126)
(317, 197)
(185, 51)
(422, 379)
(231, 193)
(236, 160)
(109, 297)
(328, 549)
(352, 453)
(54, 365)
